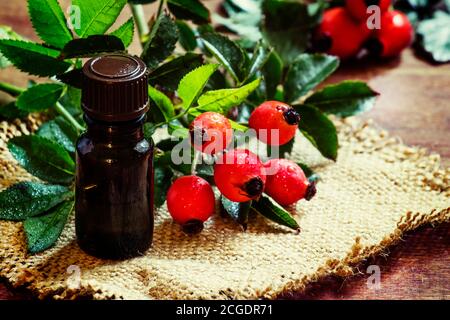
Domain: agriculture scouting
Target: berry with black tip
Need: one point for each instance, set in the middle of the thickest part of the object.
(240, 175)
(190, 201)
(275, 122)
(210, 132)
(287, 182)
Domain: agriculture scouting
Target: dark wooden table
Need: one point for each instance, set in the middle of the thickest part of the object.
(414, 105)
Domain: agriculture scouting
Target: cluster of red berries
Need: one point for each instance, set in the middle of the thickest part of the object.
(344, 31)
(239, 174)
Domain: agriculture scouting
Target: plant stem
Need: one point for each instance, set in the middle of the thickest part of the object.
(63, 112)
(197, 157)
(11, 89)
(141, 23)
(160, 6)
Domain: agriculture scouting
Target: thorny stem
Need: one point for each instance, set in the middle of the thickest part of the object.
(63, 112)
(15, 91)
(11, 89)
(139, 17)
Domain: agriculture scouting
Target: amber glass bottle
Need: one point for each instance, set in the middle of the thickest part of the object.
(114, 179)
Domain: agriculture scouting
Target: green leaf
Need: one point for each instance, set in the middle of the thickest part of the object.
(7, 33)
(344, 99)
(162, 40)
(43, 158)
(125, 32)
(97, 16)
(71, 100)
(141, 1)
(162, 178)
(227, 52)
(169, 74)
(72, 78)
(162, 102)
(149, 130)
(435, 36)
(319, 130)
(272, 73)
(43, 231)
(192, 84)
(187, 36)
(61, 132)
(224, 99)
(306, 72)
(189, 10)
(49, 22)
(33, 58)
(28, 199)
(10, 111)
(237, 210)
(287, 26)
(39, 97)
(90, 46)
(268, 208)
(261, 54)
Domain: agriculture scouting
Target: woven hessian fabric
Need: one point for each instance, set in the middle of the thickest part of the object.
(376, 190)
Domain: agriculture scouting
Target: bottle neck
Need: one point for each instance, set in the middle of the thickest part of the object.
(118, 132)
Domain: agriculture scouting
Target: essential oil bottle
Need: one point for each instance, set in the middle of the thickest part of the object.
(114, 177)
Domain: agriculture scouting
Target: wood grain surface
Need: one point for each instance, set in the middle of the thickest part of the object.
(415, 105)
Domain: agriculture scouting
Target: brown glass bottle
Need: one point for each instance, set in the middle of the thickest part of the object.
(114, 179)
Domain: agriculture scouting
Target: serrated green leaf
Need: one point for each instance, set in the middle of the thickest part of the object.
(43, 231)
(39, 97)
(71, 100)
(237, 210)
(59, 131)
(224, 99)
(169, 74)
(43, 158)
(72, 78)
(272, 73)
(49, 22)
(189, 10)
(435, 36)
(162, 102)
(125, 32)
(187, 36)
(192, 84)
(141, 1)
(226, 51)
(319, 130)
(162, 40)
(28, 199)
(261, 54)
(97, 16)
(344, 99)
(306, 72)
(6, 32)
(10, 111)
(287, 26)
(33, 58)
(268, 208)
(90, 46)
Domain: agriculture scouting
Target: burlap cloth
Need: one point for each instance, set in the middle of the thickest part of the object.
(377, 190)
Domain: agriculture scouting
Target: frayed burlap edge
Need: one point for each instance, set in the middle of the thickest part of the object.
(435, 179)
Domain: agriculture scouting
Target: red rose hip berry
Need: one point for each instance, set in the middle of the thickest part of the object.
(339, 34)
(275, 122)
(239, 175)
(358, 8)
(395, 34)
(288, 183)
(190, 201)
(210, 132)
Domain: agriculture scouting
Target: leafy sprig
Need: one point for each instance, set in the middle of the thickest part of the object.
(208, 71)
